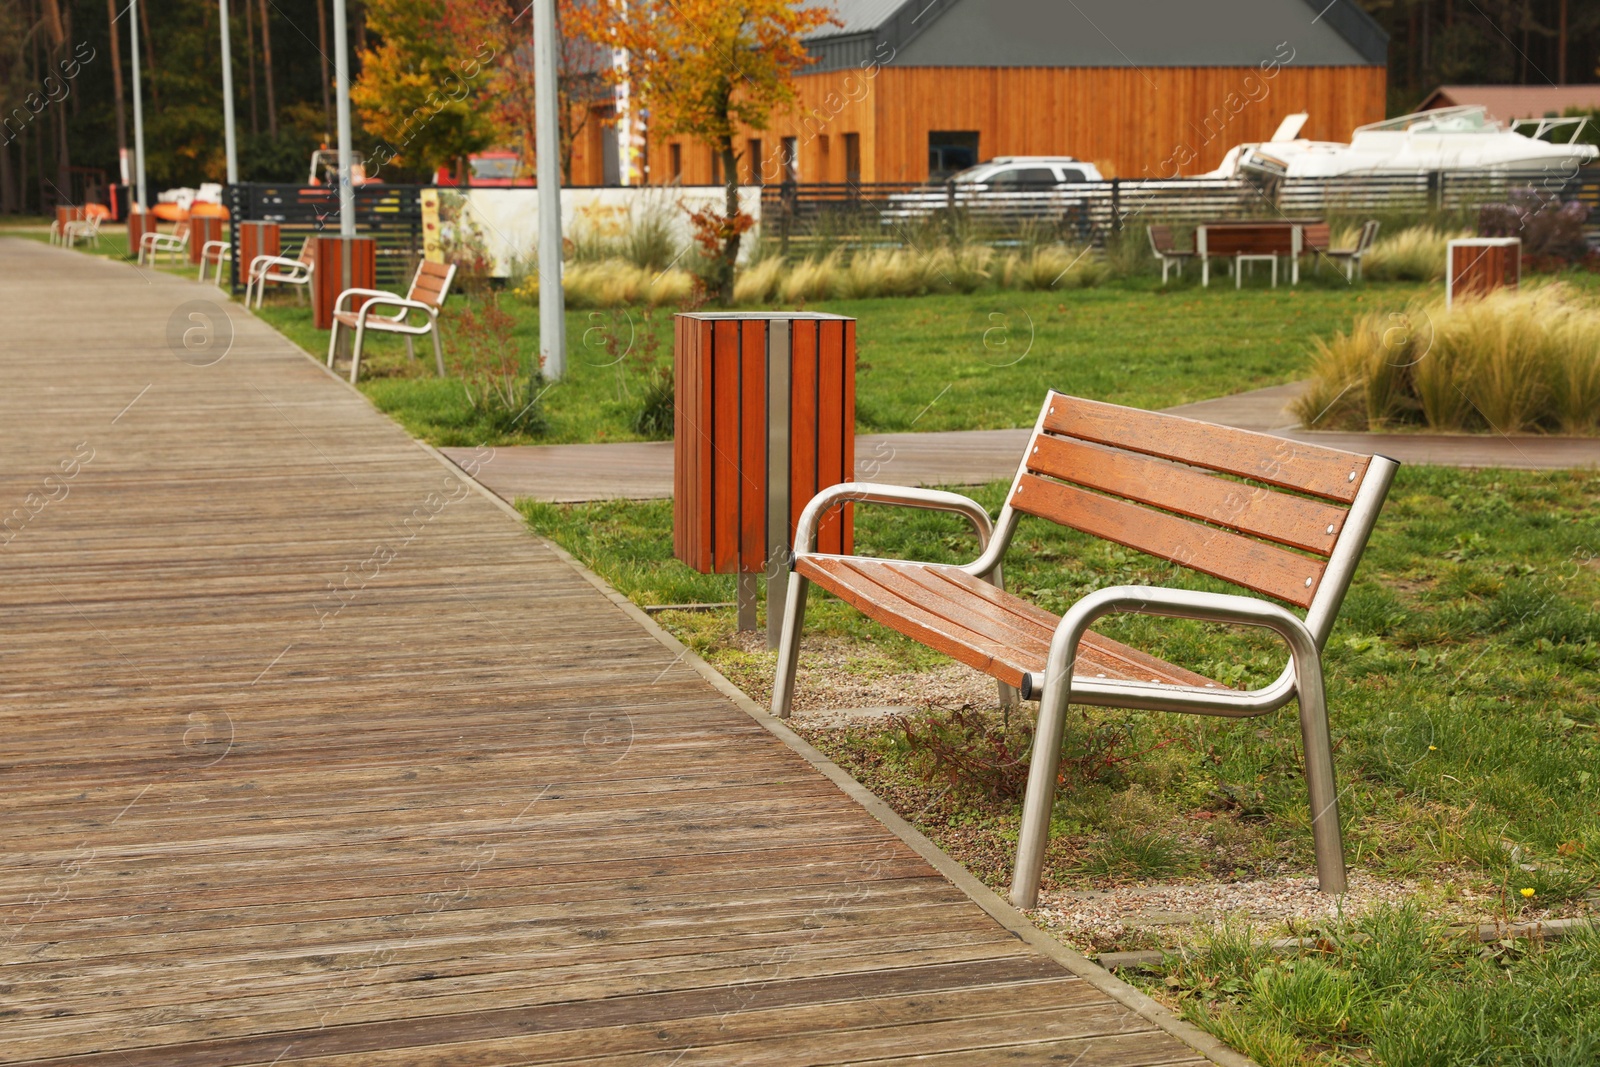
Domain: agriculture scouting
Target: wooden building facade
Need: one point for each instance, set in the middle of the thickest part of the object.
(1141, 88)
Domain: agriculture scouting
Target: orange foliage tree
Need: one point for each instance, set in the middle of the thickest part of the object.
(703, 68)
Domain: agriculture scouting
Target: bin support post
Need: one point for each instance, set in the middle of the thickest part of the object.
(747, 594)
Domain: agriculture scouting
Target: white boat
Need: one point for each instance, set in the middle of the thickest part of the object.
(1448, 138)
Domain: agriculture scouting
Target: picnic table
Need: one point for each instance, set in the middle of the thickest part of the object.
(1259, 239)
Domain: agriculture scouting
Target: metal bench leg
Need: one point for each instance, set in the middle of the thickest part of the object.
(438, 349)
(355, 350)
(1320, 781)
(333, 342)
(794, 619)
(1043, 766)
(411, 349)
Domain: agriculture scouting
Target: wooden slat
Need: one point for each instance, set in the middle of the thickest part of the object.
(753, 445)
(725, 417)
(971, 621)
(848, 425)
(1324, 472)
(976, 650)
(802, 412)
(1098, 655)
(1229, 556)
(1252, 509)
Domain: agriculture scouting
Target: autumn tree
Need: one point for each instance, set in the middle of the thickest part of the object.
(704, 68)
(422, 86)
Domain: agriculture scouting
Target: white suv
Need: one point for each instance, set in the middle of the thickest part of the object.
(1028, 173)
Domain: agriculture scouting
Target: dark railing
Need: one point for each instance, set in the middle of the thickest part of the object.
(390, 213)
(816, 214)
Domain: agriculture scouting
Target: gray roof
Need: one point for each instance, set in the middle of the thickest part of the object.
(1099, 33)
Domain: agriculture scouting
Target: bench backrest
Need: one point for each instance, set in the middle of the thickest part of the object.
(1369, 237)
(1161, 240)
(180, 229)
(1258, 511)
(431, 284)
(1315, 237)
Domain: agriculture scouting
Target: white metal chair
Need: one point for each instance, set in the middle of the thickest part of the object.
(283, 270)
(218, 252)
(1167, 251)
(1352, 256)
(154, 243)
(429, 287)
(82, 230)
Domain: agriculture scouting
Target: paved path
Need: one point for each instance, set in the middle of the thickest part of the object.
(311, 754)
(643, 470)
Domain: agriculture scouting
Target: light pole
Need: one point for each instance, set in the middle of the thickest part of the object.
(227, 99)
(547, 137)
(341, 75)
(138, 109)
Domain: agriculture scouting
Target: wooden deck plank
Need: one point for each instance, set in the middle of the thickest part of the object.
(310, 754)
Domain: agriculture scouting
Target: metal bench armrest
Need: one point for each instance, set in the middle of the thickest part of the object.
(338, 305)
(805, 532)
(1226, 608)
(390, 300)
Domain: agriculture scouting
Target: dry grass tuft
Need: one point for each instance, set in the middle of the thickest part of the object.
(1523, 361)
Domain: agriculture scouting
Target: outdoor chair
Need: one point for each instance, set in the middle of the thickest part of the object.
(1162, 244)
(1163, 485)
(1352, 256)
(218, 252)
(282, 270)
(429, 287)
(155, 243)
(87, 229)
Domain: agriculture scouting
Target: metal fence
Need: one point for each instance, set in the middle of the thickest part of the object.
(390, 213)
(816, 214)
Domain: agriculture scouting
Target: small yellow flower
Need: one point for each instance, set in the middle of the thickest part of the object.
(1433, 748)
(1528, 892)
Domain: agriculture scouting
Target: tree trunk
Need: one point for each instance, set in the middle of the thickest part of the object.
(8, 204)
(730, 244)
(1561, 46)
(266, 68)
(149, 54)
(327, 76)
(116, 80)
(250, 48)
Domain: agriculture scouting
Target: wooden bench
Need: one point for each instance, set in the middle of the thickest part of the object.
(429, 287)
(1167, 251)
(1291, 530)
(282, 270)
(155, 243)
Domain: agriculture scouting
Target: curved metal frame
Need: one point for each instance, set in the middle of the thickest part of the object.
(259, 274)
(1056, 686)
(391, 323)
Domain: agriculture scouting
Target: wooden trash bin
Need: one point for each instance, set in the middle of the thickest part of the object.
(1477, 266)
(765, 418)
(203, 228)
(64, 215)
(139, 224)
(342, 263)
(254, 239)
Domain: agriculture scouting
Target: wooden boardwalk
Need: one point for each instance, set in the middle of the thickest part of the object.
(311, 755)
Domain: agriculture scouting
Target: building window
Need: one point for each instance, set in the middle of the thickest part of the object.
(852, 158)
(950, 151)
(675, 162)
(791, 159)
(756, 162)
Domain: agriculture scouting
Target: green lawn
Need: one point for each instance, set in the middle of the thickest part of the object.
(925, 363)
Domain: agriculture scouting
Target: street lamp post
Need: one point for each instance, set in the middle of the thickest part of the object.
(341, 74)
(227, 99)
(547, 134)
(138, 109)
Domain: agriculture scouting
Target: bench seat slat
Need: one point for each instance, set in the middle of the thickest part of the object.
(1252, 509)
(1325, 472)
(973, 622)
(1219, 553)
